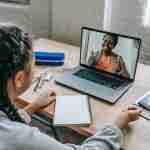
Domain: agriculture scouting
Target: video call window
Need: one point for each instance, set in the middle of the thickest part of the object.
(109, 52)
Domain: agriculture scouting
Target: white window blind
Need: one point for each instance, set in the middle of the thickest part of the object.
(107, 14)
(146, 17)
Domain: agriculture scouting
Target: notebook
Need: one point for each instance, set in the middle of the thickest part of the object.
(72, 110)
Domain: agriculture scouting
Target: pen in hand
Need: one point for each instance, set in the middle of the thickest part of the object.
(41, 79)
(141, 114)
(37, 84)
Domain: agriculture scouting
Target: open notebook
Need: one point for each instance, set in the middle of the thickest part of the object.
(72, 110)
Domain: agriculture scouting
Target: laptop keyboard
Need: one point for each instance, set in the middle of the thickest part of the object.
(99, 78)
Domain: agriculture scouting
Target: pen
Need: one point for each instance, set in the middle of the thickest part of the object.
(41, 79)
(144, 117)
(37, 84)
(141, 115)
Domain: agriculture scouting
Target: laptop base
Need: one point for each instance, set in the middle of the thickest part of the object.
(101, 92)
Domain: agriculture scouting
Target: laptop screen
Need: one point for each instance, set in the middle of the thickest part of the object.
(110, 52)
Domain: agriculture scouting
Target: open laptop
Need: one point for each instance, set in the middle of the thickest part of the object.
(108, 63)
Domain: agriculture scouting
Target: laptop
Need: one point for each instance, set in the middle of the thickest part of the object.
(108, 63)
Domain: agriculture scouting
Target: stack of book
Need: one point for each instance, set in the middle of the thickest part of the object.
(49, 58)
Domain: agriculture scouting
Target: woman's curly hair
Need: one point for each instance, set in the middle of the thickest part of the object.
(15, 55)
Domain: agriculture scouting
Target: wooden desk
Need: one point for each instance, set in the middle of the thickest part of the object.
(138, 136)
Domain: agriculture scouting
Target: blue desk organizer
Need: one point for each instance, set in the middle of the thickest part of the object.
(49, 58)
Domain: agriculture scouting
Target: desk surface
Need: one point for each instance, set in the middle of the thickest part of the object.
(137, 136)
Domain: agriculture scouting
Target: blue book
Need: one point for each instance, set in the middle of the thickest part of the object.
(49, 58)
(50, 63)
(49, 55)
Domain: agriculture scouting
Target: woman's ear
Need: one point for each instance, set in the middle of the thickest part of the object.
(20, 79)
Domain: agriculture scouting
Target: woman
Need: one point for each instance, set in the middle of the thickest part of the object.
(15, 77)
(108, 60)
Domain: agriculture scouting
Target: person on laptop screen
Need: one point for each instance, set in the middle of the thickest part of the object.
(108, 60)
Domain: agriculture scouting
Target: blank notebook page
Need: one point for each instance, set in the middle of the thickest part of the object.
(72, 110)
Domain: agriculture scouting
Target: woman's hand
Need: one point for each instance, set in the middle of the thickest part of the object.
(126, 116)
(41, 102)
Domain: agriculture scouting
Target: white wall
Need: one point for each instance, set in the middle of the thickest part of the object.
(127, 17)
(68, 16)
(60, 18)
(35, 18)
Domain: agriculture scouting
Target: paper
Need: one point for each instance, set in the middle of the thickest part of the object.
(72, 110)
